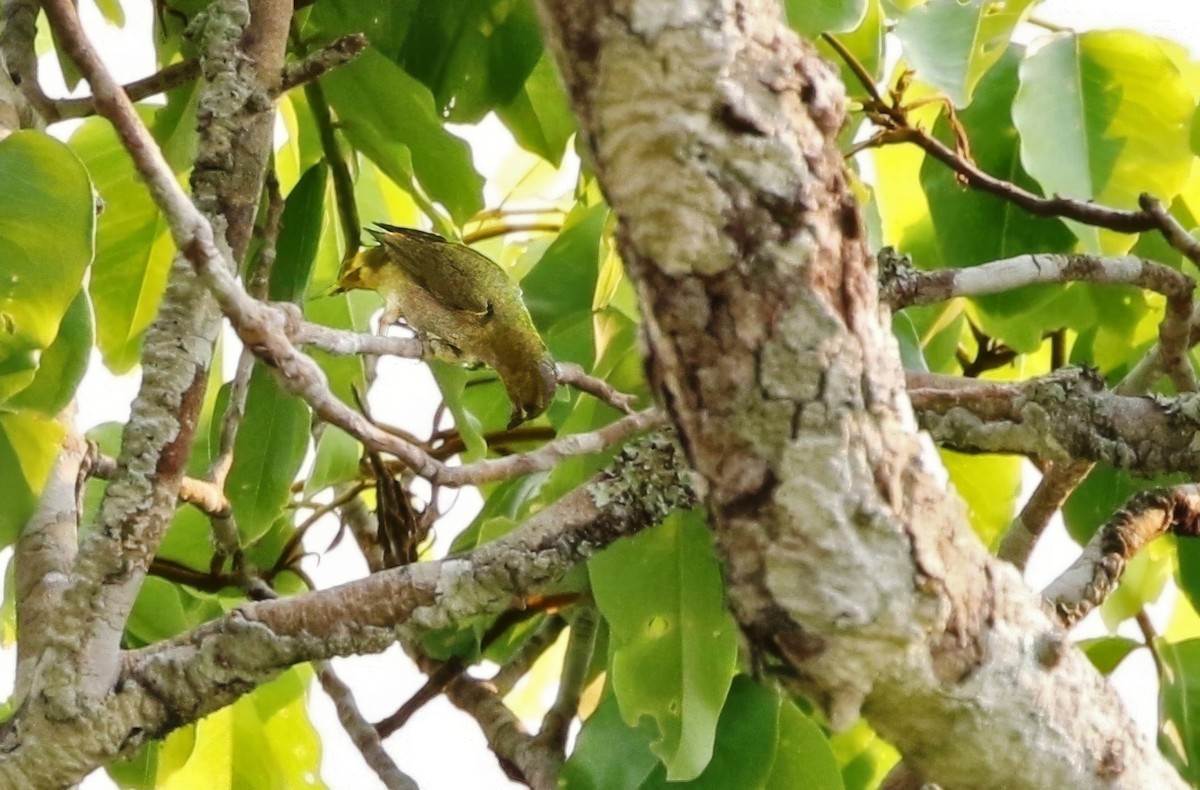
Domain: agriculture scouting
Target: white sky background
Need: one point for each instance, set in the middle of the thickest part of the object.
(441, 747)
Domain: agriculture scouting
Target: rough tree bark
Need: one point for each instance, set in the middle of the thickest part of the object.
(848, 565)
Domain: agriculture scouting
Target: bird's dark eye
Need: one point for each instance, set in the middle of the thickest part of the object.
(487, 314)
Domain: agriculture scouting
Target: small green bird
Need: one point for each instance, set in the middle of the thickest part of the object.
(449, 291)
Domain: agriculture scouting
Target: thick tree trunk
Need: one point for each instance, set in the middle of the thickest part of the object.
(712, 130)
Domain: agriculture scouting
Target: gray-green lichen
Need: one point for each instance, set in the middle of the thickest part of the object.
(648, 475)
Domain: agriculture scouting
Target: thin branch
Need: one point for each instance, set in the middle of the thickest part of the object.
(521, 756)
(1175, 234)
(892, 117)
(527, 655)
(18, 30)
(485, 233)
(360, 730)
(1064, 417)
(1047, 498)
(577, 377)
(343, 182)
(162, 81)
(1098, 570)
(324, 60)
(200, 671)
(580, 648)
(903, 285)
(200, 494)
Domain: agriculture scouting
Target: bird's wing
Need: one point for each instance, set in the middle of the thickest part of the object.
(451, 277)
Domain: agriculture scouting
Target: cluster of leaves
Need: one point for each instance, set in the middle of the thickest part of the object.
(89, 274)
(1097, 116)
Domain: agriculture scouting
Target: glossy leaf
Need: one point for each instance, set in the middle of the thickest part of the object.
(1179, 706)
(336, 461)
(133, 250)
(864, 757)
(563, 283)
(404, 134)
(1104, 116)
(299, 232)
(472, 54)
(990, 485)
(270, 446)
(813, 17)
(674, 644)
(263, 740)
(973, 227)
(952, 44)
(62, 365)
(864, 42)
(1107, 652)
(762, 741)
(539, 116)
(29, 444)
(47, 226)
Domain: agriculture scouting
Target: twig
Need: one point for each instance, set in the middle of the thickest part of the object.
(527, 655)
(1175, 234)
(360, 730)
(18, 30)
(442, 673)
(483, 234)
(1048, 497)
(1150, 637)
(521, 756)
(201, 494)
(1064, 417)
(162, 81)
(580, 647)
(903, 285)
(324, 60)
(343, 182)
(576, 376)
(1098, 570)
(892, 117)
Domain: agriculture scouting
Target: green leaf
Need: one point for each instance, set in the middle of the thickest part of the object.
(762, 741)
(1107, 652)
(270, 447)
(1104, 116)
(865, 758)
(814, 17)
(803, 756)
(133, 249)
(299, 231)
(539, 115)
(472, 54)
(865, 43)
(336, 460)
(674, 643)
(265, 739)
(563, 282)
(609, 753)
(1179, 706)
(404, 135)
(47, 229)
(63, 364)
(29, 445)
(164, 609)
(951, 45)
(973, 227)
(112, 12)
(990, 485)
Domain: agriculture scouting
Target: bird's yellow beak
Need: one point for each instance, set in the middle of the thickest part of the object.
(334, 289)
